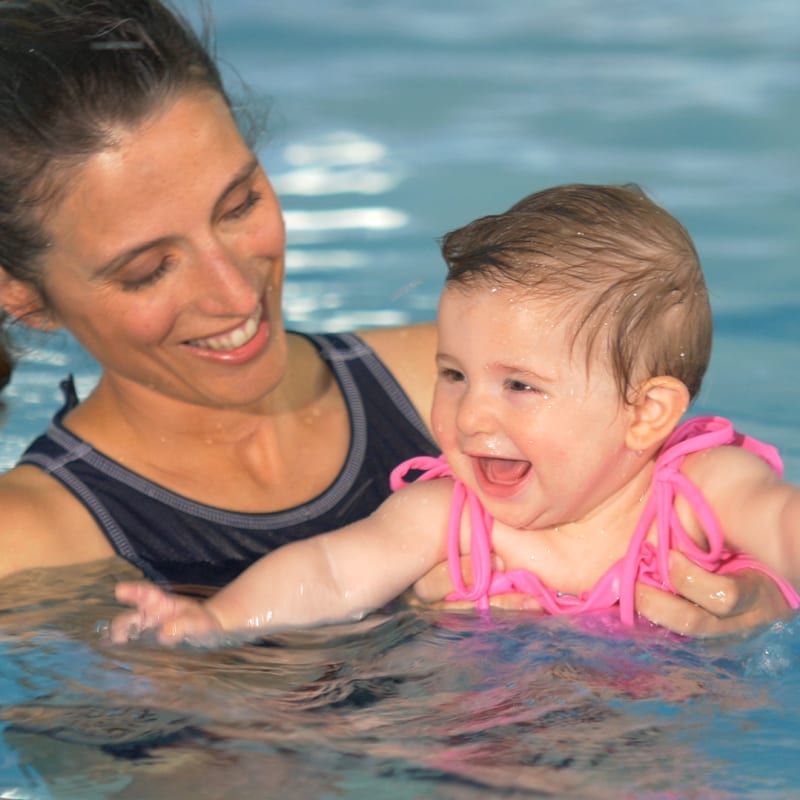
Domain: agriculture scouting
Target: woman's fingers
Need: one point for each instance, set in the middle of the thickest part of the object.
(433, 586)
(706, 604)
(676, 613)
(722, 595)
(710, 605)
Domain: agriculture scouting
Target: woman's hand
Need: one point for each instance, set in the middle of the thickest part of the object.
(707, 604)
(432, 589)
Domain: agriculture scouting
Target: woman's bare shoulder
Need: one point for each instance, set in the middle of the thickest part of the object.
(43, 525)
(403, 344)
(410, 353)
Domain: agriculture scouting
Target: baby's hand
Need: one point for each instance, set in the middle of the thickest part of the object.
(174, 618)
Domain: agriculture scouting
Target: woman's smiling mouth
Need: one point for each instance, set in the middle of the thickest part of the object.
(238, 346)
(234, 339)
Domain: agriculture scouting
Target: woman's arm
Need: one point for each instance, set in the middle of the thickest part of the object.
(43, 525)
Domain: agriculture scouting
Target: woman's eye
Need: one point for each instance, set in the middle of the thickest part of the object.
(147, 279)
(241, 210)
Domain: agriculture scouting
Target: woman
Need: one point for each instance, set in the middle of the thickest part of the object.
(135, 215)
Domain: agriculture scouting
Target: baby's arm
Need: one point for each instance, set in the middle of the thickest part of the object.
(759, 513)
(331, 577)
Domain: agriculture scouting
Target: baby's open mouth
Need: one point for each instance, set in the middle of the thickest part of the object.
(504, 471)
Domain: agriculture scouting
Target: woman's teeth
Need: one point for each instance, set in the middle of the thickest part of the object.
(233, 339)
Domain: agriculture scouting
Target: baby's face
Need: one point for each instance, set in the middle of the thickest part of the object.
(520, 417)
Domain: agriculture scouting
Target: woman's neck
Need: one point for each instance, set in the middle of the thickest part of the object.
(276, 453)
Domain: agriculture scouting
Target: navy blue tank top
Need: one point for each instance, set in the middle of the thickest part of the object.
(179, 541)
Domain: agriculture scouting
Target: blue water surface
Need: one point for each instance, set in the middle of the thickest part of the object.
(389, 123)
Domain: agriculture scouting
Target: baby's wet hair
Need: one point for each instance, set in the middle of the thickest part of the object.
(626, 271)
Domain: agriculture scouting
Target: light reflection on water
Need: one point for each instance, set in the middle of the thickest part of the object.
(405, 704)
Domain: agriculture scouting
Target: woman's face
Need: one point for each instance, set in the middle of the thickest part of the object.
(167, 259)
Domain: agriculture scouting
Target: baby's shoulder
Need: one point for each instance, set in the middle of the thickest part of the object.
(421, 497)
(726, 473)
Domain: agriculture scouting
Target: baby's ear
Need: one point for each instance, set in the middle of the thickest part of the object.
(24, 304)
(660, 403)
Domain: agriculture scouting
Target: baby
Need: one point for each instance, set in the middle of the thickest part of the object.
(574, 331)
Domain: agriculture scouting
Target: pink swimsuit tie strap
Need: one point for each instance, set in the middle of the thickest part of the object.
(480, 549)
(481, 525)
(650, 564)
(429, 466)
(643, 561)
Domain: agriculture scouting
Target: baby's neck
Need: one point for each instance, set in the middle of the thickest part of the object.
(572, 556)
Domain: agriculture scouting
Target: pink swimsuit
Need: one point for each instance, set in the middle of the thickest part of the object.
(643, 561)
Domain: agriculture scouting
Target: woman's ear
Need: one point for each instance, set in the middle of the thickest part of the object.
(24, 304)
(659, 404)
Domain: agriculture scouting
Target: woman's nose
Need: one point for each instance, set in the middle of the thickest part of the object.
(226, 286)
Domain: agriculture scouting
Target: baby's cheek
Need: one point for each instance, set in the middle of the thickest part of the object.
(438, 424)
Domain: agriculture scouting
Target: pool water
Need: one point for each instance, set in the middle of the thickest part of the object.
(389, 124)
(406, 704)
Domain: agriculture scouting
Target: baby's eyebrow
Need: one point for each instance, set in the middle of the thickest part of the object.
(523, 372)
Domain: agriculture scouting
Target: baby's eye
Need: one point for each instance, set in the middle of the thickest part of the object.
(520, 386)
(451, 375)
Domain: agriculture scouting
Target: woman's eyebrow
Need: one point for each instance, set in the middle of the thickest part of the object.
(239, 178)
(119, 261)
(123, 258)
